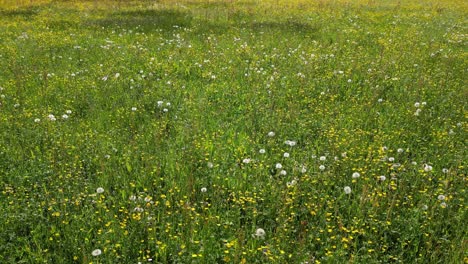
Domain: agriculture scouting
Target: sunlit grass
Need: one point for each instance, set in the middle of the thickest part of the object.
(233, 131)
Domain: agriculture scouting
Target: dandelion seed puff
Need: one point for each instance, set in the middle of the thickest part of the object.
(427, 168)
(134, 109)
(96, 252)
(210, 165)
(384, 148)
(459, 124)
(165, 110)
(356, 175)
(425, 207)
(400, 150)
(391, 159)
(107, 156)
(132, 198)
(64, 116)
(380, 100)
(323, 158)
(417, 112)
(278, 166)
(290, 143)
(51, 117)
(424, 103)
(382, 178)
(16, 105)
(68, 112)
(246, 161)
(414, 163)
(117, 75)
(271, 134)
(443, 204)
(37, 120)
(100, 190)
(347, 190)
(321, 167)
(441, 197)
(283, 172)
(203, 190)
(160, 103)
(444, 170)
(417, 104)
(262, 151)
(260, 233)
(303, 169)
(286, 155)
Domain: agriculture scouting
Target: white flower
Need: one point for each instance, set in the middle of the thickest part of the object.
(380, 100)
(37, 120)
(427, 168)
(444, 170)
(132, 198)
(168, 104)
(356, 175)
(96, 252)
(303, 169)
(349, 80)
(260, 233)
(51, 117)
(414, 163)
(283, 172)
(117, 75)
(278, 166)
(441, 197)
(400, 150)
(382, 178)
(65, 116)
(246, 161)
(423, 103)
(384, 148)
(347, 190)
(286, 155)
(321, 167)
(134, 109)
(68, 112)
(323, 158)
(210, 165)
(391, 159)
(290, 143)
(459, 124)
(262, 151)
(271, 134)
(417, 104)
(203, 190)
(107, 156)
(165, 110)
(160, 103)
(100, 190)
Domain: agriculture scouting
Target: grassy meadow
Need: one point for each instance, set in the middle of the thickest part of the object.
(225, 131)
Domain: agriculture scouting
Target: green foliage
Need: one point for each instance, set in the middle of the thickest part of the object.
(226, 132)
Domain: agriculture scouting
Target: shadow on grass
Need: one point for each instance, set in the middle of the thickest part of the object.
(23, 12)
(146, 20)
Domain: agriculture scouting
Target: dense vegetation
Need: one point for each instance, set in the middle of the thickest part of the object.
(233, 131)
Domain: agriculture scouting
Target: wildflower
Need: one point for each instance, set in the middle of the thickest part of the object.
(283, 172)
(100, 190)
(347, 190)
(384, 148)
(417, 104)
(323, 158)
(417, 112)
(271, 134)
(134, 109)
(203, 190)
(303, 169)
(382, 178)
(138, 209)
(132, 198)
(246, 161)
(427, 168)
(400, 150)
(290, 143)
(160, 103)
(64, 116)
(356, 175)
(380, 100)
(96, 252)
(414, 163)
(51, 117)
(260, 233)
(321, 167)
(117, 75)
(291, 183)
(441, 197)
(262, 151)
(37, 120)
(391, 159)
(278, 166)
(444, 170)
(286, 155)
(165, 110)
(16, 105)
(68, 112)
(423, 103)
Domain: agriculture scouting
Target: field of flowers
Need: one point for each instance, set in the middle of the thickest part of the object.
(224, 131)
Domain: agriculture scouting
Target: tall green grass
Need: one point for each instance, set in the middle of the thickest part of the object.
(228, 131)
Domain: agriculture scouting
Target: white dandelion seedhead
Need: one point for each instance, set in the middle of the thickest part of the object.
(278, 166)
(100, 190)
(260, 233)
(347, 189)
(64, 116)
(322, 158)
(441, 197)
(290, 143)
(262, 151)
(210, 165)
(96, 252)
(203, 190)
(37, 120)
(134, 109)
(382, 178)
(271, 134)
(51, 117)
(283, 172)
(322, 167)
(246, 161)
(356, 175)
(427, 168)
(286, 155)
